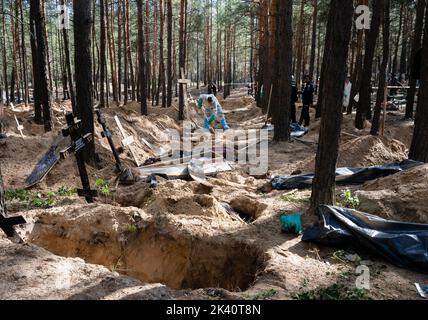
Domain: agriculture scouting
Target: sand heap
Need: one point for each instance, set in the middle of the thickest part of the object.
(363, 152)
(402, 196)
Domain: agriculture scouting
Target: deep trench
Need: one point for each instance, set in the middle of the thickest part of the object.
(153, 256)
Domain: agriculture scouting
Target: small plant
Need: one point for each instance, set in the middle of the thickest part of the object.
(337, 291)
(66, 191)
(17, 194)
(43, 202)
(348, 200)
(103, 187)
(132, 228)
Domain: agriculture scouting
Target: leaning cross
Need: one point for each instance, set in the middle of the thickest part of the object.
(107, 134)
(19, 126)
(127, 141)
(78, 146)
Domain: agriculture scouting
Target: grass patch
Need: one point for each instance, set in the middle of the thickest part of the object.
(32, 200)
(296, 198)
(337, 291)
(264, 295)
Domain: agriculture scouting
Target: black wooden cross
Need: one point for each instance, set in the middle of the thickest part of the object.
(78, 146)
(7, 224)
(107, 134)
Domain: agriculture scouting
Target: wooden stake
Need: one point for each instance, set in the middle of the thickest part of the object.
(127, 141)
(19, 127)
(385, 101)
(268, 110)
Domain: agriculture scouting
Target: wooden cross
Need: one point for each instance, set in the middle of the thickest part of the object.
(7, 223)
(78, 146)
(107, 134)
(127, 141)
(184, 82)
(19, 126)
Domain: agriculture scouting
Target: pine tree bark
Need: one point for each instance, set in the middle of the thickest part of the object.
(141, 70)
(419, 148)
(182, 57)
(102, 61)
(169, 58)
(161, 81)
(83, 63)
(68, 65)
(417, 42)
(364, 104)
(384, 68)
(283, 57)
(4, 54)
(36, 9)
(314, 38)
(339, 26)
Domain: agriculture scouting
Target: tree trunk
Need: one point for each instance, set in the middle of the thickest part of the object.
(419, 148)
(4, 53)
(38, 118)
(314, 39)
(102, 61)
(83, 63)
(383, 70)
(68, 66)
(161, 82)
(182, 57)
(364, 104)
(339, 27)
(141, 73)
(283, 56)
(417, 42)
(42, 62)
(170, 48)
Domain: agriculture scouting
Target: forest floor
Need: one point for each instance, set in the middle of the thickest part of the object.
(178, 241)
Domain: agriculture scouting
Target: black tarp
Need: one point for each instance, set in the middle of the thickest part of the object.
(403, 244)
(345, 176)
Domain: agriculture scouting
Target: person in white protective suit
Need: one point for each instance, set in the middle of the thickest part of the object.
(213, 111)
(347, 93)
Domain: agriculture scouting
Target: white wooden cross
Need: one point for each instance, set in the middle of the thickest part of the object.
(19, 126)
(185, 82)
(127, 141)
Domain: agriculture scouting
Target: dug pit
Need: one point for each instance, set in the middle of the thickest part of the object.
(153, 249)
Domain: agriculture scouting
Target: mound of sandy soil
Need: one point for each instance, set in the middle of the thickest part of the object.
(363, 152)
(401, 197)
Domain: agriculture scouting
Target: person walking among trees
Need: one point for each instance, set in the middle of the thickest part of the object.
(308, 100)
(347, 93)
(294, 99)
(2, 134)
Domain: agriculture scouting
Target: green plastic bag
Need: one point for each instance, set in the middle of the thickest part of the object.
(292, 223)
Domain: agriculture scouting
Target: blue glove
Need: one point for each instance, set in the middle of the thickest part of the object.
(206, 124)
(200, 103)
(212, 119)
(224, 124)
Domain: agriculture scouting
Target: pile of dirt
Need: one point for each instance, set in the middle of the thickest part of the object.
(181, 253)
(401, 197)
(364, 151)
